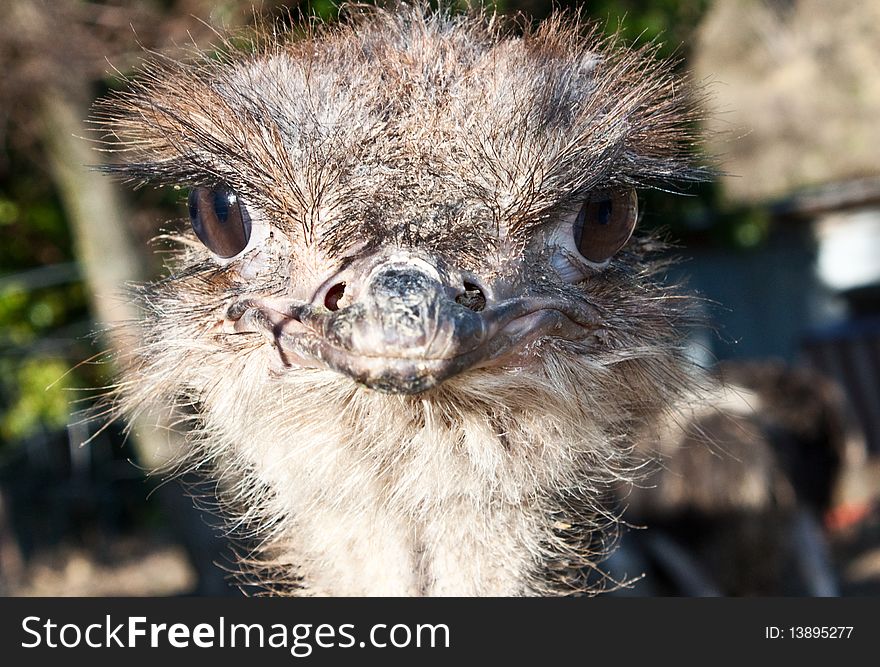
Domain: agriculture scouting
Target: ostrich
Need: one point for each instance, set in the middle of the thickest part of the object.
(411, 327)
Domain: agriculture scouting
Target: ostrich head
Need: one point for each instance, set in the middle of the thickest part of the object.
(411, 325)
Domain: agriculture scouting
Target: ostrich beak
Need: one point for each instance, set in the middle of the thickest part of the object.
(407, 330)
(404, 334)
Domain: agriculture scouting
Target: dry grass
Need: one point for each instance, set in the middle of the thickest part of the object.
(132, 567)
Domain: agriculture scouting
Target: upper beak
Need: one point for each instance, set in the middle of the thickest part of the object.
(403, 334)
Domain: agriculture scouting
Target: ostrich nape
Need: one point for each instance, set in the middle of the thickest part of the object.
(411, 325)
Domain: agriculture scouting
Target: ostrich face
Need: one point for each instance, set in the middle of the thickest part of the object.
(410, 324)
(414, 198)
(402, 316)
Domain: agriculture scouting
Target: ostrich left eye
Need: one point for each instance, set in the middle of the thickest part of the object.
(605, 224)
(219, 220)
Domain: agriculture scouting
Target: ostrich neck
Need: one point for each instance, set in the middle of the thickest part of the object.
(460, 494)
(436, 513)
(370, 550)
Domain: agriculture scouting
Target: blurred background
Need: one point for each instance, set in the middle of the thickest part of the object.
(784, 247)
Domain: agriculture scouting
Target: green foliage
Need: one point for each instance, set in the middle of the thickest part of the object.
(41, 398)
(669, 22)
(326, 9)
(43, 306)
(32, 223)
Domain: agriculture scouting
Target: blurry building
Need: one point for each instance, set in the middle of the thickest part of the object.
(793, 114)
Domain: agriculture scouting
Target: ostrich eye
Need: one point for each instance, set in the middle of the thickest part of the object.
(219, 220)
(605, 224)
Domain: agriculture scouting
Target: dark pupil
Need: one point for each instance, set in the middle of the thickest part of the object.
(193, 206)
(603, 213)
(221, 204)
(218, 220)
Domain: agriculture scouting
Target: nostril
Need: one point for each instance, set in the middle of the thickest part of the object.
(334, 296)
(472, 297)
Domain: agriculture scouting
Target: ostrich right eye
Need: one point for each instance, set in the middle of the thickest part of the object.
(605, 224)
(219, 220)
